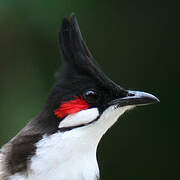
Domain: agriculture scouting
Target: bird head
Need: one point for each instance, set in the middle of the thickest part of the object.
(84, 97)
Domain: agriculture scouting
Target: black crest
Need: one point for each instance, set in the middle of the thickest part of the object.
(76, 54)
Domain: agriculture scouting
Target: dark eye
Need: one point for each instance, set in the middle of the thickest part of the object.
(91, 96)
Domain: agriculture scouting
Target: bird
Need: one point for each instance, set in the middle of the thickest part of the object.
(61, 142)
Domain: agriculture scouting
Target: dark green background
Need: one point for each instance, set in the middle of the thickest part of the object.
(136, 43)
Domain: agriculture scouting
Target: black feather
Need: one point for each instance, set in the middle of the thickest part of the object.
(76, 54)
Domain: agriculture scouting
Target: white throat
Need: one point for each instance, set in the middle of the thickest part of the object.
(71, 154)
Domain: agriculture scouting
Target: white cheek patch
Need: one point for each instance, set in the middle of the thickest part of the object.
(82, 117)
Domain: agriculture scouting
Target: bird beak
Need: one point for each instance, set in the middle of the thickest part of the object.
(136, 98)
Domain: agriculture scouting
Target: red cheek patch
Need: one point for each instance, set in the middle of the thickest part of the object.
(71, 107)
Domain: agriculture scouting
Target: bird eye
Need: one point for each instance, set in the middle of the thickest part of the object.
(90, 96)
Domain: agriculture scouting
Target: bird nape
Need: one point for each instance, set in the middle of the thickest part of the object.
(61, 141)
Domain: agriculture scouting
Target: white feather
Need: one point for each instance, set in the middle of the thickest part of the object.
(82, 117)
(72, 154)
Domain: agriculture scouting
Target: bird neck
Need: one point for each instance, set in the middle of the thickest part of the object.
(68, 154)
(63, 156)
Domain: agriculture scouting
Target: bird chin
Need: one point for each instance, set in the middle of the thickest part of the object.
(110, 116)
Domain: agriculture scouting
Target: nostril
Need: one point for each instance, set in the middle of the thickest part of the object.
(131, 94)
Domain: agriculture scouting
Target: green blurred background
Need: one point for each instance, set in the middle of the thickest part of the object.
(136, 43)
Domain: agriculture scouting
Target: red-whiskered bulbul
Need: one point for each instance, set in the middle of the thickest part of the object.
(61, 142)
